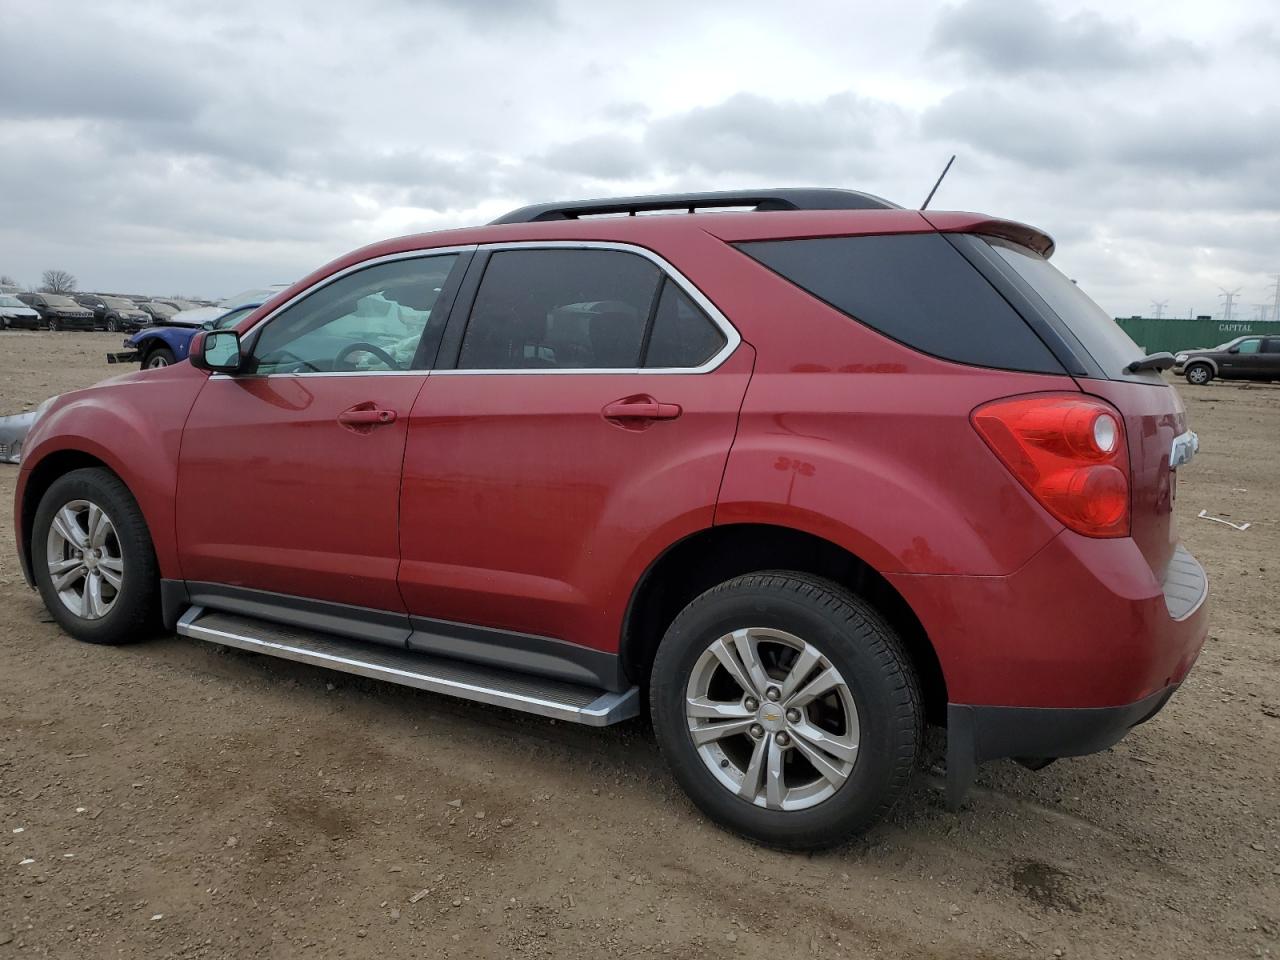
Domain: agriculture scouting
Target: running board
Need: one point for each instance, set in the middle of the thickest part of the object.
(501, 688)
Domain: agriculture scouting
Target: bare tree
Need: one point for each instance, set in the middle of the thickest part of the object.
(7, 281)
(57, 281)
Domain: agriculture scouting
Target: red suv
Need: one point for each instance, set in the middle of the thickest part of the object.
(803, 474)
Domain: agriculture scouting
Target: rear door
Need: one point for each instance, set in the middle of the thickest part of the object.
(1270, 358)
(581, 425)
(289, 475)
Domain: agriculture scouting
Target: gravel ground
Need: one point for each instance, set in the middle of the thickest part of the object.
(175, 799)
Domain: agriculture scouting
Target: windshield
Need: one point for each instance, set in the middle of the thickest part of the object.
(56, 301)
(230, 319)
(119, 303)
(7, 301)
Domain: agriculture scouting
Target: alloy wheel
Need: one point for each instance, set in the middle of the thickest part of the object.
(772, 718)
(157, 360)
(86, 566)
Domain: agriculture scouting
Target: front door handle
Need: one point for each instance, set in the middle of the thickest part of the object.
(640, 408)
(363, 417)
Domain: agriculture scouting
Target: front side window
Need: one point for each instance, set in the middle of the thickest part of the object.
(371, 320)
(1249, 346)
(560, 309)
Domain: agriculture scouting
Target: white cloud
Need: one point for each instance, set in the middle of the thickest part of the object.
(216, 144)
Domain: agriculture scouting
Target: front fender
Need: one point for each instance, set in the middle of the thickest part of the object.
(133, 424)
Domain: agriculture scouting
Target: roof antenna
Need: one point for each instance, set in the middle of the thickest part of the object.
(925, 205)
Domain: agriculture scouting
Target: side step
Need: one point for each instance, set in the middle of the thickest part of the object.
(502, 688)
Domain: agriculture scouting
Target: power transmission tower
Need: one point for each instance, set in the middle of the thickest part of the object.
(1158, 306)
(1275, 303)
(1228, 298)
(1261, 309)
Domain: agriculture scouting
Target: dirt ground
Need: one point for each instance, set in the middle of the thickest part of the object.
(176, 799)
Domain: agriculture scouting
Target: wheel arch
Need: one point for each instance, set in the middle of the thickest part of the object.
(710, 556)
(1206, 361)
(39, 479)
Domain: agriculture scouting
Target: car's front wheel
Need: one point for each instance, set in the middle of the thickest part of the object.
(52, 325)
(1199, 374)
(787, 709)
(112, 325)
(93, 559)
(158, 357)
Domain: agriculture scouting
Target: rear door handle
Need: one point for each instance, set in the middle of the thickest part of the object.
(366, 415)
(640, 408)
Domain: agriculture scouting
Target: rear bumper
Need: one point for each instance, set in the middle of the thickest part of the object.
(976, 734)
(1084, 623)
(1063, 657)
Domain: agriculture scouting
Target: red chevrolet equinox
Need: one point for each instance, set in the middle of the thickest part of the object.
(801, 470)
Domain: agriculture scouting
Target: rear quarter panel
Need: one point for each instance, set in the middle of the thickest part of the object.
(851, 436)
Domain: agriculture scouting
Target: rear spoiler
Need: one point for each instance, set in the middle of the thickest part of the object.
(1011, 230)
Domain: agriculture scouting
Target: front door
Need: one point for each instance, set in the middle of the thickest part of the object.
(584, 428)
(1242, 362)
(289, 475)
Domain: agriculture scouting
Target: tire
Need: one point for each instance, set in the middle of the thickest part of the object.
(130, 612)
(1198, 374)
(112, 325)
(878, 747)
(53, 325)
(158, 357)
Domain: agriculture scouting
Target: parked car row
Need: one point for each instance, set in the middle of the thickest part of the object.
(89, 311)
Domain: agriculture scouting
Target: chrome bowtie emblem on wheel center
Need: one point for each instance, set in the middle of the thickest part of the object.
(771, 718)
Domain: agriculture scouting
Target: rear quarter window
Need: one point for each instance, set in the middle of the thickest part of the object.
(914, 288)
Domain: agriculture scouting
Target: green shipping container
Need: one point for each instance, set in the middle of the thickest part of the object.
(1154, 335)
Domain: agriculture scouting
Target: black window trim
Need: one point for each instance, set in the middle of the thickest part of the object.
(447, 359)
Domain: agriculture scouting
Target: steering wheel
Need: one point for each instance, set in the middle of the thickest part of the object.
(363, 347)
(279, 355)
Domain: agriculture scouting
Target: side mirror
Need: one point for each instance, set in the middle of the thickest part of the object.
(217, 351)
(1233, 349)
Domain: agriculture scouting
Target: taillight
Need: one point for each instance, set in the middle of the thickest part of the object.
(1070, 452)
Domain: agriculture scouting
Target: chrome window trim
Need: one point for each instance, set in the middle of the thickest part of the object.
(727, 329)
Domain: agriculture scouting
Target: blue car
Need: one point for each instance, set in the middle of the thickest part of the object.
(162, 345)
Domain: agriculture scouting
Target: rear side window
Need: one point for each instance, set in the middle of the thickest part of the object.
(915, 288)
(682, 336)
(561, 309)
(1273, 346)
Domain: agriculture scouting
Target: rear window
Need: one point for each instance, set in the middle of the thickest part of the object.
(1097, 332)
(915, 288)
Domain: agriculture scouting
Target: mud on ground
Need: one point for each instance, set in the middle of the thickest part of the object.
(176, 799)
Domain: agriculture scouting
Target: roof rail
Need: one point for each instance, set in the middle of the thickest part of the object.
(790, 198)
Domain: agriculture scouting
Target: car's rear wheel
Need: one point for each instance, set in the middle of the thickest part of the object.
(1199, 374)
(93, 559)
(158, 357)
(787, 709)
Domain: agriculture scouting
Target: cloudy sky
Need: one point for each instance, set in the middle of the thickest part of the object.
(206, 146)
